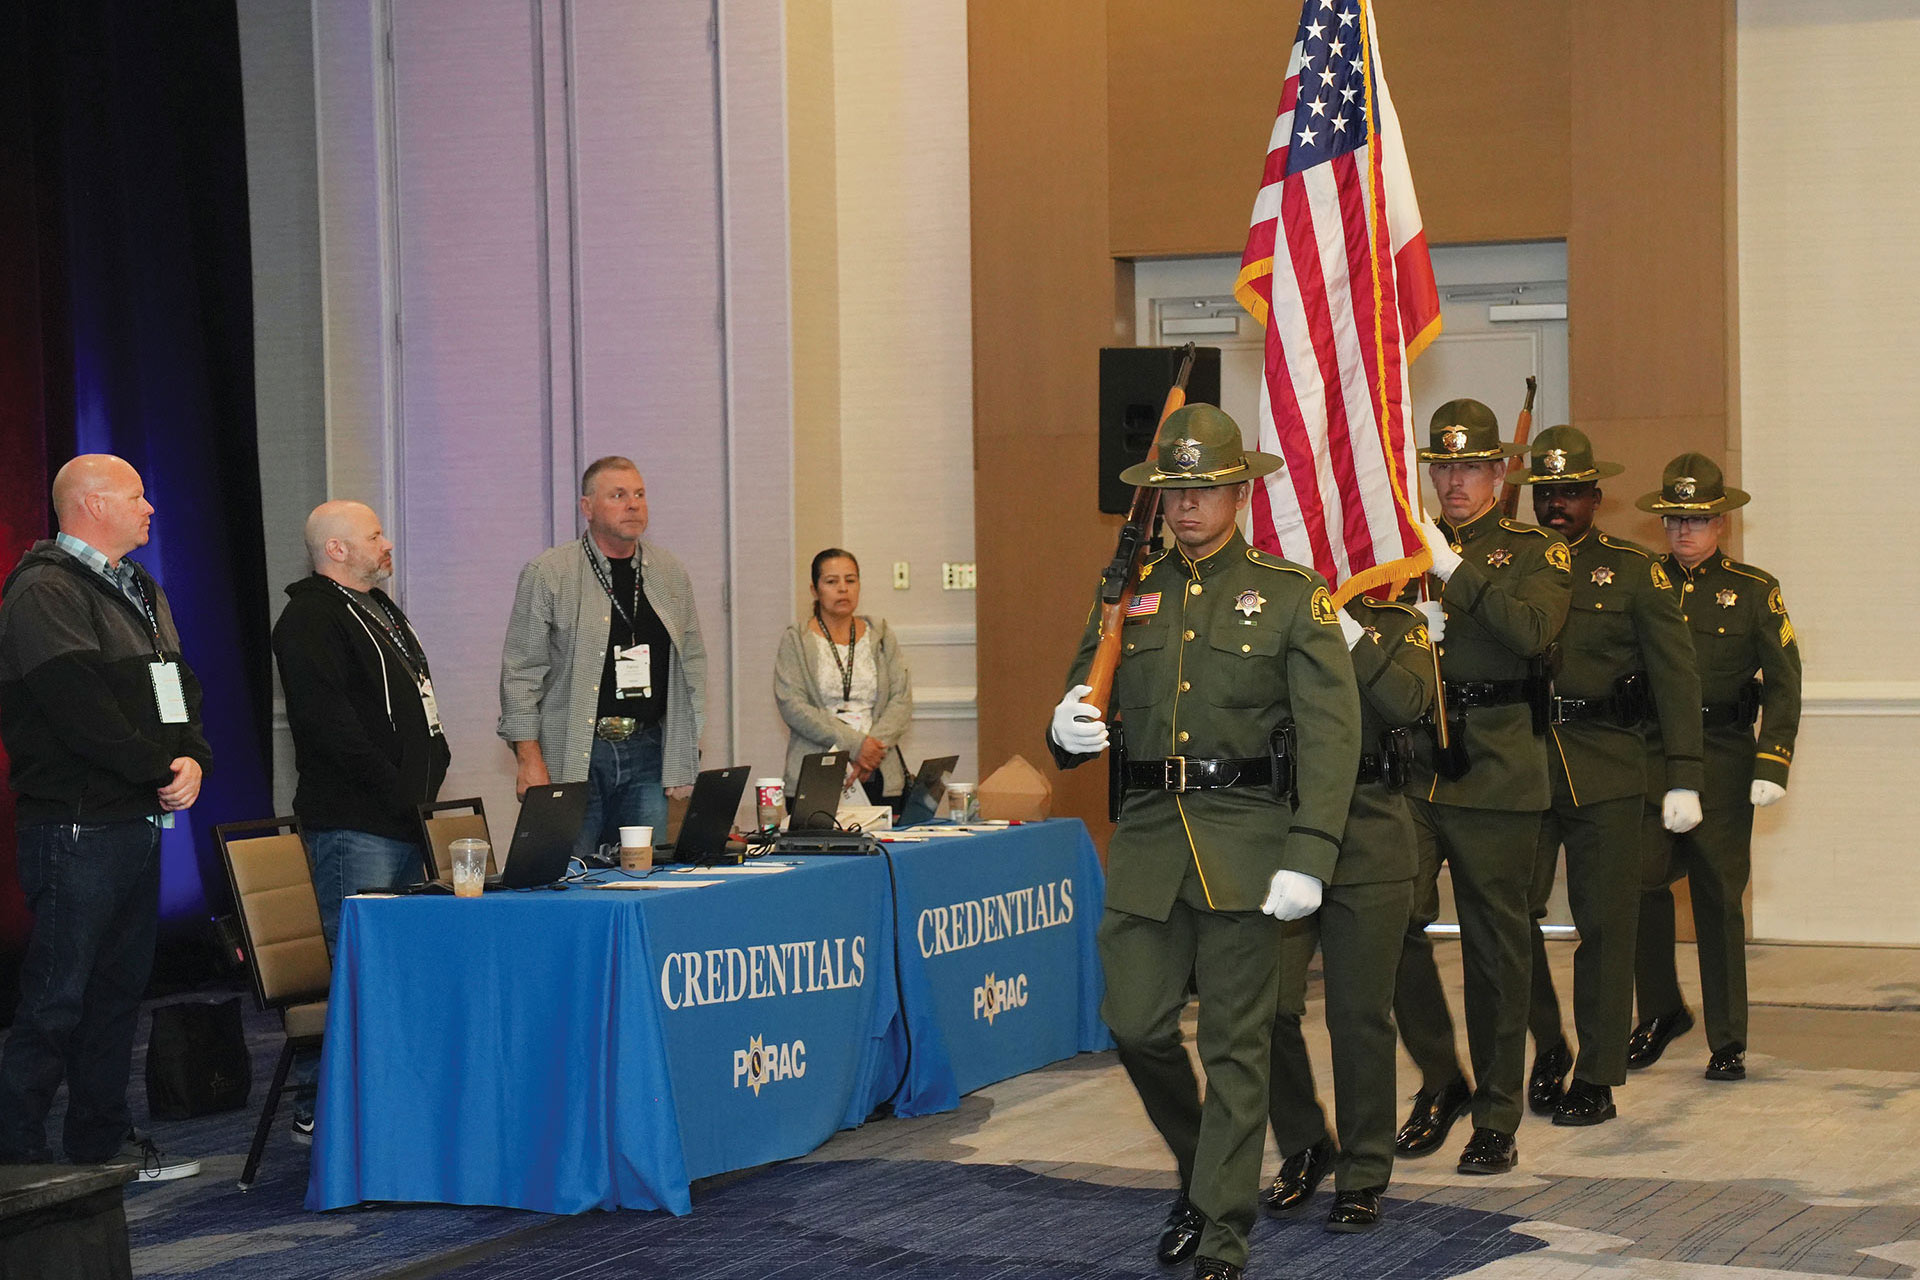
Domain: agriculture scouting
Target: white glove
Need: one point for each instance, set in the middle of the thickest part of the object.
(1765, 793)
(1436, 619)
(1294, 895)
(1077, 726)
(1445, 558)
(1680, 811)
(1350, 629)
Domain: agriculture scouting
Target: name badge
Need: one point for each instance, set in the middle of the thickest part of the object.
(633, 671)
(168, 696)
(429, 705)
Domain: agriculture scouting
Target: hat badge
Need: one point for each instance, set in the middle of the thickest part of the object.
(1684, 488)
(1186, 453)
(1556, 460)
(1453, 439)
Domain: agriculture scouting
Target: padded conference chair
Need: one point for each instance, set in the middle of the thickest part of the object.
(449, 820)
(272, 882)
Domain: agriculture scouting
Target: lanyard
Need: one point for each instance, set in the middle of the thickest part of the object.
(415, 661)
(844, 668)
(153, 618)
(606, 585)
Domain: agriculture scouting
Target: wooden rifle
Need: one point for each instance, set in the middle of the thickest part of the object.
(1522, 429)
(1122, 574)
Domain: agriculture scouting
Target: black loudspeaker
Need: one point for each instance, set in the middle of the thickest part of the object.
(1134, 382)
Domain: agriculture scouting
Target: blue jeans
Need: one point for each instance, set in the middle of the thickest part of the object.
(94, 890)
(346, 861)
(625, 791)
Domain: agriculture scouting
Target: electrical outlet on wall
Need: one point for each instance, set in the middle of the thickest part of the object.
(957, 576)
(899, 575)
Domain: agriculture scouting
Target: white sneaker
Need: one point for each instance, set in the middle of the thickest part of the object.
(154, 1164)
(303, 1129)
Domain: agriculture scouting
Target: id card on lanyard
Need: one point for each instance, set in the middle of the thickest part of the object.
(169, 694)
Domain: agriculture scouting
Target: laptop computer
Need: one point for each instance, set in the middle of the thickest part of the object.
(928, 790)
(543, 836)
(703, 833)
(815, 804)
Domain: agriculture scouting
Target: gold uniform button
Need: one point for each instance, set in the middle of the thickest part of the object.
(1599, 604)
(1194, 589)
(1129, 646)
(1246, 648)
(1186, 686)
(1183, 735)
(1189, 633)
(1721, 630)
(1688, 587)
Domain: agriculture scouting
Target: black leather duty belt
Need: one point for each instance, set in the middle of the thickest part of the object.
(1187, 773)
(1574, 710)
(1369, 770)
(1485, 693)
(1726, 715)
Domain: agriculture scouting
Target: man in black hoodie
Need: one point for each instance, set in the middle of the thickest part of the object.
(101, 719)
(366, 730)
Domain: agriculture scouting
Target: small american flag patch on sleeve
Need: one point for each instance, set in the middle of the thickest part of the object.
(1144, 605)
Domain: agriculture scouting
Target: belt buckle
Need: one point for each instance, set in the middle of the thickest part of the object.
(1556, 711)
(614, 728)
(1175, 766)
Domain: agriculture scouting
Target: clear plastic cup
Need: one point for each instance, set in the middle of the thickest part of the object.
(636, 848)
(469, 854)
(962, 804)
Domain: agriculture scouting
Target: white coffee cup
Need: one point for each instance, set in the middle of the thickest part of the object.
(636, 848)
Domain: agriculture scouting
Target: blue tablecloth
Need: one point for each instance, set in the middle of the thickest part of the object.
(598, 1048)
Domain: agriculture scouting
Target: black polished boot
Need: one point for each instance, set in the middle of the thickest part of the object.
(1299, 1177)
(1180, 1238)
(1585, 1104)
(1432, 1117)
(1548, 1079)
(1650, 1038)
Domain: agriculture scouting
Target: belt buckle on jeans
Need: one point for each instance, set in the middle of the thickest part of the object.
(615, 728)
(1175, 773)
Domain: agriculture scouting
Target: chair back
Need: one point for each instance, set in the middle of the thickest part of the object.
(272, 881)
(449, 820)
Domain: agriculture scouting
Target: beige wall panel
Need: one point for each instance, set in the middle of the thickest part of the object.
(1647, 273)
(1480, 87)
(1042, 307)
(812, 197)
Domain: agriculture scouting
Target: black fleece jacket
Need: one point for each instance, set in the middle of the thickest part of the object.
(365, 755)
(77, 709)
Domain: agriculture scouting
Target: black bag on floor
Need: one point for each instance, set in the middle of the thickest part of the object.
(197, 1059)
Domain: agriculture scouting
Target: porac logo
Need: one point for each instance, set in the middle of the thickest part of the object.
(761, 1063)
(994, 997)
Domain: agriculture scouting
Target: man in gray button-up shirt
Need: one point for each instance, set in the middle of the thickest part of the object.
(606, 607)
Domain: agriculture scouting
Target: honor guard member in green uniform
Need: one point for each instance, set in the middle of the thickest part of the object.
(1234, 693)
(1505, 591)
(1740, 629)
(1359, 927)
(1624, 652)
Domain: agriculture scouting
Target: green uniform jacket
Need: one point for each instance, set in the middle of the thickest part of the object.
(1394, 665)
(1740, 627)
(1216, 655)
(1625, 618)
(1504, 604)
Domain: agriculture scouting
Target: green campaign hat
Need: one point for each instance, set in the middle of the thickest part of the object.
(1563, 455)
(1199, 448)
(1692, 485)
(1465, 431)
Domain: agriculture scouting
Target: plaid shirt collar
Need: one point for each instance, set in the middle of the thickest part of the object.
(96, 560)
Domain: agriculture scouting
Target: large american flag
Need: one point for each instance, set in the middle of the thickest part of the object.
(1336, 268)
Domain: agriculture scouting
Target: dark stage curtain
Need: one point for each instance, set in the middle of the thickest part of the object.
(126, 327)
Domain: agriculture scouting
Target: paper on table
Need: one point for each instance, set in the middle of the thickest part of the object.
(745, 869)
(656, 884)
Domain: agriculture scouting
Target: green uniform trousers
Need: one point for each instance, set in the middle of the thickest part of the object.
(1358, 928)
(1604, 876)
(1490, 853)
(1716, 857)
(1233, 958)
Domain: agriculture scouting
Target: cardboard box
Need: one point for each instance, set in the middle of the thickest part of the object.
(1016, 792)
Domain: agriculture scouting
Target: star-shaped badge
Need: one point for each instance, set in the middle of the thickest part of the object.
(1725, 598)
(1249, 602)
(1499, 558)
(1603, 576)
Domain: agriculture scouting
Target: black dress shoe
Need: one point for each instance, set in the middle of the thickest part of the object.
(1585, 1104)
(1489, 1151)
(1355, 1210)
(1300, 1176)
(1180, 1238)
(1548, 1080)
(1650, 1038)
(1214, 1269)
(1729, 1063)
(1432, 1116)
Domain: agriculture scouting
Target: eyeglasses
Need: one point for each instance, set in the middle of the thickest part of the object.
(1692, 524)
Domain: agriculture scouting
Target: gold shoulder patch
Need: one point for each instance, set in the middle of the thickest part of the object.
(1559, 557)
(1786, 631)
(1775, 603)
(1418, 636)
(1660, 578)
(1324, 612)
